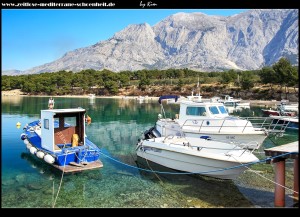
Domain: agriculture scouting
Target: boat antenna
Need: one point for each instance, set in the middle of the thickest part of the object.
(163, 110)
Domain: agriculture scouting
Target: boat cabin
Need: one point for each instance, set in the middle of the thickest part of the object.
(62, 128)
(201, 110)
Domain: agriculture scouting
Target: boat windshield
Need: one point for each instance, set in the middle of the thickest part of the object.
(196, 111)
(214, 110)
(222, 109)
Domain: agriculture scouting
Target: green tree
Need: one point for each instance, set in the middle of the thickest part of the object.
(268, 76)
(180, 84)
(143, 83)
(247, 80)
(112, 87)
(285, 73)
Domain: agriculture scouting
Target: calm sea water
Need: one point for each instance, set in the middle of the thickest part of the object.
(116, 126)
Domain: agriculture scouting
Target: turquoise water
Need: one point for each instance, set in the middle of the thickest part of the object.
(116, 126)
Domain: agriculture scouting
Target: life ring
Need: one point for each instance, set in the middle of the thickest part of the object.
(88, 119)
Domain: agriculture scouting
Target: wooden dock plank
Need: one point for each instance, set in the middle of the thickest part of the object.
(71, 168)
(279, 150)
(290, 147)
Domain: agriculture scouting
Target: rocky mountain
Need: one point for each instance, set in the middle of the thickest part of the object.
(245, 41)
(12, 72)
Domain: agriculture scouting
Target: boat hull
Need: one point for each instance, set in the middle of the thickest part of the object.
(227, 168)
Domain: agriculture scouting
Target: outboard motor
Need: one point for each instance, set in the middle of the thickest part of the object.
(148, 134)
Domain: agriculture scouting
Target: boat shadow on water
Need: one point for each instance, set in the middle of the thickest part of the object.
(40, 165)
(213, 191)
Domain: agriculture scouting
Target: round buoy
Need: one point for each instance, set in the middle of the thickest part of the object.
(18, 125)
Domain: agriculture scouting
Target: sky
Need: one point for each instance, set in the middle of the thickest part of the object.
(33, 37)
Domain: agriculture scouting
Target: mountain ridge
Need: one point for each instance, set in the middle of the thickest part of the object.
(245, 41)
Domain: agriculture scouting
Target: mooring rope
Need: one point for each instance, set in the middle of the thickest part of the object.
(267, 178)
(205, 172)
(61, 179)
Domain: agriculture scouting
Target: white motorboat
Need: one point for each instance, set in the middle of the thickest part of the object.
(231, 102)
(206, 157)
(197, 119)
(288, 107)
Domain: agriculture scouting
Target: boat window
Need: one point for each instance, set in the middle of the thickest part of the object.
(196, 111)
(46, 124)
(71, 121)
(222, 109)
(214, 110)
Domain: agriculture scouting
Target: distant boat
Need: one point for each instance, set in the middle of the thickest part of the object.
(231, 102)
(211, 158)
(270, 111)
(91, 95)
(61, 144)
(293, 122)
(287, 107)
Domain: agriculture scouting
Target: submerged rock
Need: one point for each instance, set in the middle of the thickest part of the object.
(34, 186)
(20, 178)
(8, 182)
(22, 189)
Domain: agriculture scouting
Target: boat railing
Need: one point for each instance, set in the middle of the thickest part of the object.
(218, 124)
(267, 124)
(272, 125)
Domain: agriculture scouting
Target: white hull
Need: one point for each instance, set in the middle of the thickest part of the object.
(244, 104)
(209, 162)
(290, 108)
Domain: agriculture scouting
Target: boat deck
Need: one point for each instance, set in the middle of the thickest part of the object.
(79, 167)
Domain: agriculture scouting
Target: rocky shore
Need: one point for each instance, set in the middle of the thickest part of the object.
(18, 92)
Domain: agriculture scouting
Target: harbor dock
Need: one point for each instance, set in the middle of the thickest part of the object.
(290, 150)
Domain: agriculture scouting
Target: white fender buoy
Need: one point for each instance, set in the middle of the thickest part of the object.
(28, 146)
(40, 154)
(49, 159)
(26, 141)
(33, 150)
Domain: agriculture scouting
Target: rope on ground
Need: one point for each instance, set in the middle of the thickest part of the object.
(205, 172)
(268, 178)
